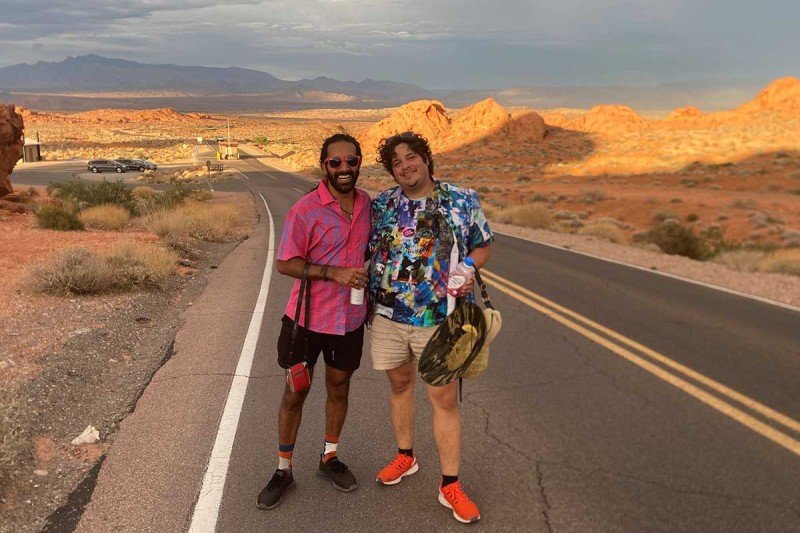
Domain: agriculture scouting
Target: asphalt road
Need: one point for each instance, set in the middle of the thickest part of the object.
(616, 400)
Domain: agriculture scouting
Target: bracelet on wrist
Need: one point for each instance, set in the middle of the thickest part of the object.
(324, 273)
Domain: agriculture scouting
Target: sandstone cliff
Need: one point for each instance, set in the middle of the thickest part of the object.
(10, 145)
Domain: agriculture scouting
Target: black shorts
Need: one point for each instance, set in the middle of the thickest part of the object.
(342, 352)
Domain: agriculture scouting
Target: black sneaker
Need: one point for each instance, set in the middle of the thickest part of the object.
(282, 482)
(338, 472)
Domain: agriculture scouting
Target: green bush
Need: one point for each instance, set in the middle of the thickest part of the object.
(676, 239)
(54, 217)
(89, 194)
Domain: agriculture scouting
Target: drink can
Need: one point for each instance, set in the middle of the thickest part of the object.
(356, 296)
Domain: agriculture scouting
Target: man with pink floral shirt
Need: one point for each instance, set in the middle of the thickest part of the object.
(328, 229)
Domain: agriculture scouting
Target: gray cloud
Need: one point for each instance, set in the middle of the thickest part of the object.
(436, 43)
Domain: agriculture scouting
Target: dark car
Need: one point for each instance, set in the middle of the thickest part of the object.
(100, 165)
(139, 164)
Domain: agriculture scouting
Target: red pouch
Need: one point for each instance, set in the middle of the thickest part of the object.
(298, 378)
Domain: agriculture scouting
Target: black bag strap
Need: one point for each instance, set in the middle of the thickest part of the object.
(305, 292)
(484, 294)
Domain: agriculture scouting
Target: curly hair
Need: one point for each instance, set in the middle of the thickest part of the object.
(416, 143)
(337, 138)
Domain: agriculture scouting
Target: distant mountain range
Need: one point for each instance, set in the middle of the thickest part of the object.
(91, 81)
(94, 73)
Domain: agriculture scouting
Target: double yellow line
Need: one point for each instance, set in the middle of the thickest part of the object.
(669, 371)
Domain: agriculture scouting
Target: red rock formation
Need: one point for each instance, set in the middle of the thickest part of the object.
(483, 117)
(429, 118)
(612, 118)
(426, 117)
(781, 96)
(688, 112)
(10, 145)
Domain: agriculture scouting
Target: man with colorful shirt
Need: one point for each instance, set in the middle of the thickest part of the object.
(421, 230)
(328, 229)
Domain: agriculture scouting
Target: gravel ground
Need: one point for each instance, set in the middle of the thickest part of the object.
(95, 378)
(91, 364)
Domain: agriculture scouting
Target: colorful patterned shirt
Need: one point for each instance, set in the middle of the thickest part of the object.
(414, 246)
(317, 230)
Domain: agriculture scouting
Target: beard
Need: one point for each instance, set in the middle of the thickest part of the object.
(342, 181)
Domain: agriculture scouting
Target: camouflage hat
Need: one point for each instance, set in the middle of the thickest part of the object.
(454, 345)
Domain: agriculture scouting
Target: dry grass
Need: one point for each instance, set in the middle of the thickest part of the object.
(742, 260)
(536, 216)
(604, 230)
(110, 217)
(143, 265)
(13, 441)
(198, 220)
(127, 265)
(72, 270)
(786, 261)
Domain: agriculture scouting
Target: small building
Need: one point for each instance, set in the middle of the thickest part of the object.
(228, 150)
(31, 151)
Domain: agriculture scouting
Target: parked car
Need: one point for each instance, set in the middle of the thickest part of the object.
(220, 138)
(100, 165)
(139, 164)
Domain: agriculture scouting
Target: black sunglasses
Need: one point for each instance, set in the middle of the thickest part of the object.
(350, 160)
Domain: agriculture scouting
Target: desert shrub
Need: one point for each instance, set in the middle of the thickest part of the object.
(106, 217)
(661, 216)
(127, 265)
(786, 261)
(72, 270)
(604, 230)
(592, 197)
(676, 201)
(13, 440)
(149, 200)
(141, 265)
(207, 222)
(536, 216)
(744, 203)
(89, 194)
(210, 222)
(692, 217)
(740, 259)
(260, 139)
(56, 217)
(676, 239)
(537, 197)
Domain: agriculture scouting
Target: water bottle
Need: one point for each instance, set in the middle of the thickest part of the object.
(461, 275)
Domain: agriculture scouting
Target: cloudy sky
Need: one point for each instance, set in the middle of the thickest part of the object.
(433, 43)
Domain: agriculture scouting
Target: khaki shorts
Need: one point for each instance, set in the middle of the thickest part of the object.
(393, 344)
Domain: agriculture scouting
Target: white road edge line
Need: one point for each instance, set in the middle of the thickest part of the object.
(242, 173)
(206, 510)
(660, 273)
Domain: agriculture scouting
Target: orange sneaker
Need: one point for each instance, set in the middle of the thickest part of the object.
(453, 497)
(400, 467)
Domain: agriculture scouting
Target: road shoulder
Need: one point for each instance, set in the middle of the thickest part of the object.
(165, 443)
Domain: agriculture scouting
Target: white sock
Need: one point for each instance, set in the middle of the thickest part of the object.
(284, 463)
(330, 447)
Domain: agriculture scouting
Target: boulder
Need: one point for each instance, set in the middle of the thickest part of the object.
(11, 143)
